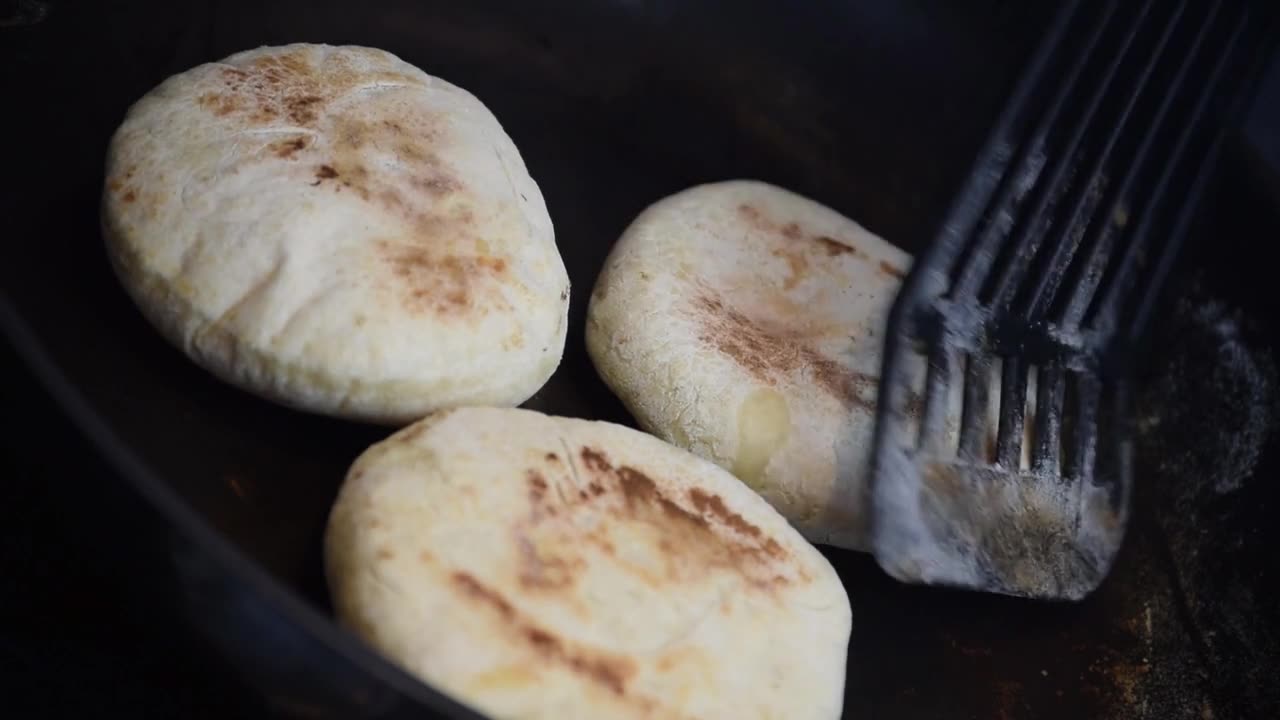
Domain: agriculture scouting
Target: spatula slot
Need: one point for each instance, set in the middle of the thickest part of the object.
(1013, 403)
(975, 416)
(1047, 453)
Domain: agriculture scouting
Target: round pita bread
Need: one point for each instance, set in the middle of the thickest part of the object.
(743, 322)
(544, 567)
(336, 230)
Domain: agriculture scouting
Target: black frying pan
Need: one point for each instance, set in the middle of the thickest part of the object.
(874, 108)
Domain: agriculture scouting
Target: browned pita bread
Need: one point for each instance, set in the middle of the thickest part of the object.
(335, 229)
(544, 567)
(743, 322)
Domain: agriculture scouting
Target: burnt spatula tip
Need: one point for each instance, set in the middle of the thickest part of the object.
(977, 528)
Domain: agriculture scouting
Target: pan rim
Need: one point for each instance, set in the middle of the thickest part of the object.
(183, 520)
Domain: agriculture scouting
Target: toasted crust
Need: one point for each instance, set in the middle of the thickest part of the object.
(743, 322)
(335, 229)
(543, 567)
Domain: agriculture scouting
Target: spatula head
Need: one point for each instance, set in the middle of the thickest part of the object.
(1020, 323)
(950, 518)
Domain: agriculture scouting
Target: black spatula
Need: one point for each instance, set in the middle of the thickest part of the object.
(1020, 324)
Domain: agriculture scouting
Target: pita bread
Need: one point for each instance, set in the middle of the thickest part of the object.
(743, 322)
(542, 567)
(336, 230)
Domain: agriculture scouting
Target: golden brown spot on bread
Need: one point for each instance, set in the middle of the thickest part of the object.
(129, 196)
(699, 531)
(412, 184)
(542, 640)
(609, 671)
(385, 553)
(408, 150)
(286, 89)
(273, 63)
(391, 198)
(892, 271)
(549, 570)
(220, 104)
(552, 457)
(772, 354)
(612, 673)
(792, 232)
(797, 265)
(834, 247)
(682, 536)
(436, 184)
(689, 539)
(640, 488)
(449, 285)
(595, 460)
(478, 591)
(537, 485)
(705, 502)
(287, 148)
(301, 110)
(326, 172)
(604, 544)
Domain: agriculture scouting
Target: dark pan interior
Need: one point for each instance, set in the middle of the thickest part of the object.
(874, 108)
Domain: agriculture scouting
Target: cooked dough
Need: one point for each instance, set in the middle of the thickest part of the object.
(334, 229)
(538, 567)
(743, 322)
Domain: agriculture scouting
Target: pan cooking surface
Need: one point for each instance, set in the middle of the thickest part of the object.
(872, 108)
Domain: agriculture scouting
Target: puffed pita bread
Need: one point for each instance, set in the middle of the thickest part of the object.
(743, 322)
(333, 228)
(539, 567)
